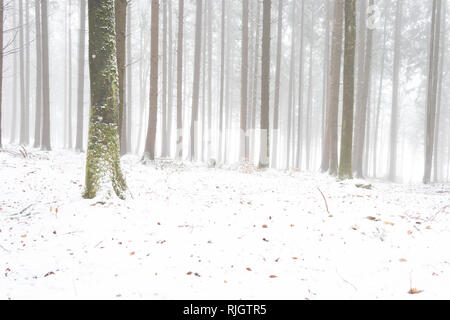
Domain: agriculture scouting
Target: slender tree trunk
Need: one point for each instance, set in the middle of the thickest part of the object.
(196, 84)
(436, 156)
(1, 68)
(45, 81)
(210, 44)
(222, 82)
(432, 89)
(380, 94)
(26, 127)
(363, 101)
(299, 154)
(121, 22)
(309, 106)
(264, 153)
(69, 115)
(80, 94)
(22, 88)
(164, 82)
(103, 153)
(291, 90)
(255, 79)
(345, 165)
(179, 153)
(14, 89)
(276, 104)
(38, 116)
(329, 147)
(170, 81)
(244, 83)
(326, 68)
(129, 70)
(395, 85)
(149, 152)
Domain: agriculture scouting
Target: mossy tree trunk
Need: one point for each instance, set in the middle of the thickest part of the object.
(345, 165)
(103, 153)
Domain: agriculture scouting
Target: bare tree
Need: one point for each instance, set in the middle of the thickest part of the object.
(121, 23)
(38, 116)
(276, 104)
(1, 67)
(244, 83)
(46, 145)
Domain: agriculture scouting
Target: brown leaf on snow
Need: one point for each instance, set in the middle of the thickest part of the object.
(23, 236)
(389, 223)
(248, 269)
(410, 232)
(265, 226)
(414, 291)
(294, 258)
(132, 253)
(273, 276)
(403, 260)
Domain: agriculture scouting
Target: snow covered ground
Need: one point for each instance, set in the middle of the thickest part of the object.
(197, 233)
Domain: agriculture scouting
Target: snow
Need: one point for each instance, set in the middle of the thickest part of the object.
(193, 232)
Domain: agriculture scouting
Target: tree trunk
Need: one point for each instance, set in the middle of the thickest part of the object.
(121, 22)
(299, 154)
(14, 78)
(129, 83)
(22, 88)
(170, 82)
(38, 116)
(103, 153)
(46, 145)
(80, 94)
(291, 89)
(164, 82)
(149, 152)
(1, 68)
(26, 123)
(309, 105)
(244, 83)
(264, 152)
(210, 43)
(222, 82)
(329, 147)
(276, 104)
(255, 79)
(361, 110)
(380, 92)
(345, 165)
(179, 153)
(395, 84)
(69, 118)
(196, 83)
(432, 89)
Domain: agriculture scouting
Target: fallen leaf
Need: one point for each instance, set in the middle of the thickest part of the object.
(132, 253)
(295, 258)
(273, 276)
(410, 232)
(389, 223)
(402, 260)
(265, 226)
(414, 291)
(23, 236)
(249, 269)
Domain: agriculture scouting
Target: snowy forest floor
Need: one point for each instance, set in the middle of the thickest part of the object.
(192, 232)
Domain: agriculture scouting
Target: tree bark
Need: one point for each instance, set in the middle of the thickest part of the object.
(299, 154)
(1, 67)
(121, 22)
(103, 153)
(276, 103)
(38, 116)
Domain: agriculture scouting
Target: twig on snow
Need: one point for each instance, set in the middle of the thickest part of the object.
(324, 199)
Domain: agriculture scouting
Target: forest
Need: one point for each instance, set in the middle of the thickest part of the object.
(151, 144)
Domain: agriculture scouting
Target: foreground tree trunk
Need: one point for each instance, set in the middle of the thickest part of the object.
(45, 81)
(345, 165)
(103, 154)
(276, 103)
(264, 151)
(149, 152)
(329, 147)
(81, 56)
